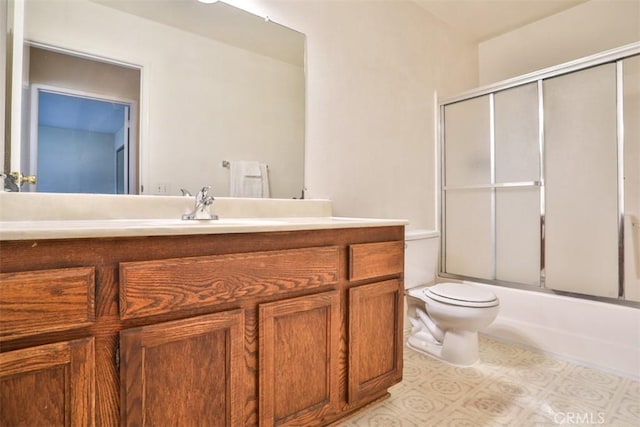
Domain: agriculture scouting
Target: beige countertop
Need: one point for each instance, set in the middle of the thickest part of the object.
(27, 216)
(65, 229)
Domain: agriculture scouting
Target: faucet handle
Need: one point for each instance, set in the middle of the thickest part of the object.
(203, 201)
(203, 193)
(203, 197)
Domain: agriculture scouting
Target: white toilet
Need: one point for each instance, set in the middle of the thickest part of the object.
(445, 317)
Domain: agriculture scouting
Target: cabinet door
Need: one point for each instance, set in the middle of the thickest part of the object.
(375, 337)
(298, 353)
(48, 385)
(185, 372)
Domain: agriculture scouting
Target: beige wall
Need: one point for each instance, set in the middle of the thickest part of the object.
(372, 70)
(583, 30)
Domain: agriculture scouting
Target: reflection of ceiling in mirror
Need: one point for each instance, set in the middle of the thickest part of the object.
(74, 112)
(222, 22)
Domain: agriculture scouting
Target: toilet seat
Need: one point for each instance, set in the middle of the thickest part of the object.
(461, 294)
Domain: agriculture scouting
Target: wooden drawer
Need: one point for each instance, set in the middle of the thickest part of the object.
(36, 302)
(163, 286)
(369, 260)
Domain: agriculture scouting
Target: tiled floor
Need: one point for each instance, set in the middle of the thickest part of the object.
(510, 386)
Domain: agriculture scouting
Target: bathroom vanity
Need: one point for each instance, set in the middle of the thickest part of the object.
(292, 321)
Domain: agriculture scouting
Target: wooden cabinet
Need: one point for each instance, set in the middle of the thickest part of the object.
(170, 285)
(53, 383)
(185, 372)
(375, 318)
(375, 337)
(48, 385)
(245, 329)
(299, 366)
(36, 302)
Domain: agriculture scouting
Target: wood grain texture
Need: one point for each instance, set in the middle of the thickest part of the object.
(35, 302)
(105, 255)
(52, 384)
(156, 287)
(372, 260)
(186, 372)
(299, 344)
(375, 337)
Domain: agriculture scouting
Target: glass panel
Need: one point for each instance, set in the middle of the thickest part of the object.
(467, 148)
(631, 79)
(469, 235)
(516, 134)
(518, 235)
(581, 252)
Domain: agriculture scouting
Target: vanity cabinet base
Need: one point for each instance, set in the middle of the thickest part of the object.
(248, 329)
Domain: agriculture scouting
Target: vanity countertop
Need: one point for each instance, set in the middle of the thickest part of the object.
(66, 229)
(32, 216)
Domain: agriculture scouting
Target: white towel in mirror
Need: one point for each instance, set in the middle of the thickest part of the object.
(248, 179)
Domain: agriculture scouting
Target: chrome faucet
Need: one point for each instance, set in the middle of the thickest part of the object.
(201, 210)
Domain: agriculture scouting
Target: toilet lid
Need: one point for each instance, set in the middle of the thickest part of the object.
(461, 294)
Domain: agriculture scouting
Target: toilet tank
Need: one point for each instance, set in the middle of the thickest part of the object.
(420, 257)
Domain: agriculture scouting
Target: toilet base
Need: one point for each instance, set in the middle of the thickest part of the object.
(459, 348)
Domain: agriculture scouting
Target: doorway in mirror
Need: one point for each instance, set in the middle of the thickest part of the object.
(81, 129)
(79, 143)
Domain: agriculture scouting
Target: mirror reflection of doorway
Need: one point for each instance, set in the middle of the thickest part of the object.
(66, 89)
(80, 143)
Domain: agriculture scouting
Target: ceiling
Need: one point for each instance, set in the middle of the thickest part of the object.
(481, 20)
(73, 112)
(223, 22)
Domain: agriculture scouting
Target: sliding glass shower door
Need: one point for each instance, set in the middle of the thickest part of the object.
(492, 198)
(581, 161)
(541, 180)
(517, 153)
(469, 198)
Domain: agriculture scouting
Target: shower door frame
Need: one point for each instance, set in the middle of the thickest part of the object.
(615, 56)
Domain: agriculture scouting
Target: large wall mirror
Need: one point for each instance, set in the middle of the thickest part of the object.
(151, 97)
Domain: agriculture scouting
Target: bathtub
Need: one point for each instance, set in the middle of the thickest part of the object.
(592, 333)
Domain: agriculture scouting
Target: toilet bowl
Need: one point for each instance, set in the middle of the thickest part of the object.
(444, 317)
(446, 320)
